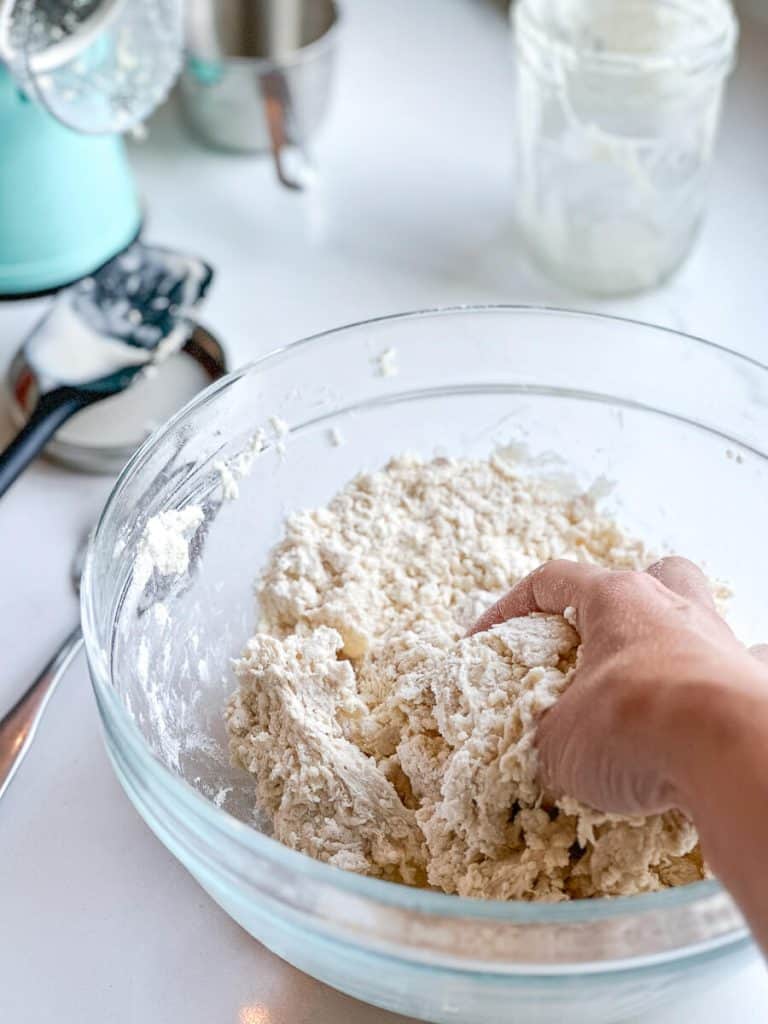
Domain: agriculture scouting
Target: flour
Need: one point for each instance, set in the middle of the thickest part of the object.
(279, 426)
(230, 486)
(383, 740)
(240, 467)
(386, 363)
(164, 546)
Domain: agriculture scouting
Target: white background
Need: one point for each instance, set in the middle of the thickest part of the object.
(97, 922)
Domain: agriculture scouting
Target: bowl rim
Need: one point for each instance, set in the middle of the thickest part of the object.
(120, 724)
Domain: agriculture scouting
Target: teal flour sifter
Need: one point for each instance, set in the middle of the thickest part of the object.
(75, 75)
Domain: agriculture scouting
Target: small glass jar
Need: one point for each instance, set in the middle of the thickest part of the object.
(617, 106)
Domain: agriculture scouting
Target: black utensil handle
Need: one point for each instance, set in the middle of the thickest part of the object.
(53, 409)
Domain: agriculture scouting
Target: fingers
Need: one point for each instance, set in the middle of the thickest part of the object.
(552, 587)
(560, 584)
(683, 578)
(760, 651)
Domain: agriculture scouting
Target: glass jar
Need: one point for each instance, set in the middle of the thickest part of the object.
(617, 106)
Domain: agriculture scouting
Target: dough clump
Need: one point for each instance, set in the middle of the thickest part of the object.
(384, 741)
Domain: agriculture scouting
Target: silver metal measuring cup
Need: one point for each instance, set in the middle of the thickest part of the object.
(257, 76)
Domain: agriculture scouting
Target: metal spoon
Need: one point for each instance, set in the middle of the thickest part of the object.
(18, 727)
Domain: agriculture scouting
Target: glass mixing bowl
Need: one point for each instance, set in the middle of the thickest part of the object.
(677, 431)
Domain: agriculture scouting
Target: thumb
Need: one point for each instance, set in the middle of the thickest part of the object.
(554, 742)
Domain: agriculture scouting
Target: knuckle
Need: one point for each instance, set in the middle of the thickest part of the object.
(671, 564)
(550, 573)
(555, 567)
(617, 589)
(613, 585)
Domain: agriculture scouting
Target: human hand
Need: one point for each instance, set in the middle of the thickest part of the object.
(657, 665)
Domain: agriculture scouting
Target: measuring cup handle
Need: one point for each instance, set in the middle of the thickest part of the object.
(277, 109)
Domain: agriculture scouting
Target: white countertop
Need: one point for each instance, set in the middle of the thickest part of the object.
(98, 923)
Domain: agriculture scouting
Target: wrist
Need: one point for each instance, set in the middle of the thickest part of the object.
(714, 726)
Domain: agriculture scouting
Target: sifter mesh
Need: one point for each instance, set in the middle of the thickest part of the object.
(48, 22)
(96, 65)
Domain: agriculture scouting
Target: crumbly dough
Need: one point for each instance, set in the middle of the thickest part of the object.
(383, 740)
